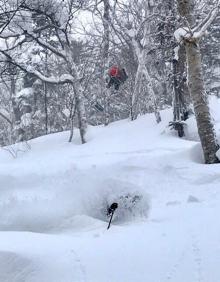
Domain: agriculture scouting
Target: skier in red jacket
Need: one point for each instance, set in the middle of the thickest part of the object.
(117, 76)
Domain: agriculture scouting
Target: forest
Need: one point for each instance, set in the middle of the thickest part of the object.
(56, 56)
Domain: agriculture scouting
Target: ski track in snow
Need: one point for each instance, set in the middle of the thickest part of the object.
(171, 276)
(80, 268)
(197, 258)
(196, 262)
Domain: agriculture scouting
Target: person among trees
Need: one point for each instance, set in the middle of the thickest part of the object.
(116, 77)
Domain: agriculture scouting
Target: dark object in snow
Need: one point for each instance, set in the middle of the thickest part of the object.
(185, 115)
(110, 212)
(192, 199)
(116, 77)
(178, 126)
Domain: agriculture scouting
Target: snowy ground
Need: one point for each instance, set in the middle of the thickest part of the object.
(53, 197)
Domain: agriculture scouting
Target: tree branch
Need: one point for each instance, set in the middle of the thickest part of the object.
(3, 115)
(200, 30)
(65, 78)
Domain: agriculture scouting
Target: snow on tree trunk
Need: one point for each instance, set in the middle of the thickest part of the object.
(200, 103)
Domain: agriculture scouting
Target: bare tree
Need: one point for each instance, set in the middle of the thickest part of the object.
(136, 32)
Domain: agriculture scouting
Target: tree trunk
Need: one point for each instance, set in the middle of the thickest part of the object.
(45, 95)
(149, 29)
(17, 132)
(81, 113)
(181, 99)
(46, 108)
(197, 89)
(72, 115)
(136, 92)
(200, 103)
(79, 97)
(152, 95)
(105, 60)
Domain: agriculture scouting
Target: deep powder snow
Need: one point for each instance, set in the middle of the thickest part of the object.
(54, 195)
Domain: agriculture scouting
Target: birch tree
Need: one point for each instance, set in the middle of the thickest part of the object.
(190, 36)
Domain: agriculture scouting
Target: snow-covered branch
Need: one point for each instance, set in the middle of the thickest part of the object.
(62, 79)
(198, 31)
(201, 29)
(65, 78)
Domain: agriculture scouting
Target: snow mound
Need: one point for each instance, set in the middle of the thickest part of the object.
(33, 215)
(66, 188)
(196, 154)
(190, 130)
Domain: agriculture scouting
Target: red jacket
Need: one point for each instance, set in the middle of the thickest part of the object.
(114, 71)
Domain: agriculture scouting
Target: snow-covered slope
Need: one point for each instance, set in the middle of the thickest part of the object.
(53, 224)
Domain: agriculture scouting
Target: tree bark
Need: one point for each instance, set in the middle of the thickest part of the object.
(200, 103)
(72, 114)
(81, 113)
(136, 92)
